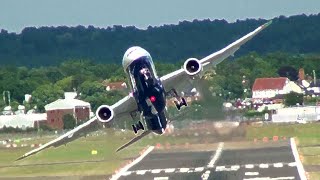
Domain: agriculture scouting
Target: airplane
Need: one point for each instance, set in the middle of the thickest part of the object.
(148, 93)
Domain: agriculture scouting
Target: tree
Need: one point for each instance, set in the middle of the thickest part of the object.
(69, 122)
(289, 72)
(293, 98)
(46, 94)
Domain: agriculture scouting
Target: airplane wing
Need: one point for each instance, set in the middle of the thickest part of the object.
(121, 108)
(181, 78)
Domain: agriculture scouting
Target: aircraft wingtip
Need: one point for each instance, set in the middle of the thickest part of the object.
(119, 149)
(22, 157)
(268, 23)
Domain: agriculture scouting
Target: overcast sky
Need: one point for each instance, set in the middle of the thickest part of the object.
(17, 14)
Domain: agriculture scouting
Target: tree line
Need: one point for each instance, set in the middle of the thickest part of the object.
(46, 46)
(231, 79)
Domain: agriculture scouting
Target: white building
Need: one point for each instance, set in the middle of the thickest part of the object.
(294, 114)
(270, 87)
(22, 121)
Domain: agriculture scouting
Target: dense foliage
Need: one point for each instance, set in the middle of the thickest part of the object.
(48, 84)
(25, 58)
(168, 43)
(231, 79)
(293, 99)
(69, 122)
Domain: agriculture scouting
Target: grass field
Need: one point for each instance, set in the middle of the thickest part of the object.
(76, 158)
(309, 131)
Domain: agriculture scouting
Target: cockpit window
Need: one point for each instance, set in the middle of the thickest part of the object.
(142, 66)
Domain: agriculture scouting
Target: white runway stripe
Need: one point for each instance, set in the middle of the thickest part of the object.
(251, 173)
(249, 166)
(278, 165)
(216, 155)
(301, 171)
(171, 170)
(183, 170)
(141, 172)
(161, 178)
(123, 170)
(199, 169)
(156, 171)
(263, 166)
(269, 178)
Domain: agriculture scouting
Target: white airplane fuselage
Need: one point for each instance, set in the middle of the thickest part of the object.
(146, 87)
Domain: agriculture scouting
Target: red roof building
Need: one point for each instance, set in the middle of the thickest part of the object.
(265, 88)
(269, 87)
(269, 83)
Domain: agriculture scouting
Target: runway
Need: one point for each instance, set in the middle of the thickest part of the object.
(274, 161)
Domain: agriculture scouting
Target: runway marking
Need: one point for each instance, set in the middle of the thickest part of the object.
(216, 155)
(283, 178)
(232, 168)
(141, 172)
(171, 170)
(263, 166)
(235, 167)
(251, 173)
(161, 178)
(220, 168)
(183, 170)
(269, 178)
(156, 171)
(278, 165)
(295, 153)
(205, 175)
(127, 173)
(249, 166)
(292, 164)
(199, 169)
(123, 170)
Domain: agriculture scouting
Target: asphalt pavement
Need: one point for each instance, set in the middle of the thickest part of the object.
(223, 161)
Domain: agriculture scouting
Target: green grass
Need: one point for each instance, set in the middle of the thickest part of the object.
(310, 151)
(314, 175)
(311, 130)
(79, 150)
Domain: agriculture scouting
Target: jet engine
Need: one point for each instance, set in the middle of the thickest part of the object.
(104, 113)
(192, 66)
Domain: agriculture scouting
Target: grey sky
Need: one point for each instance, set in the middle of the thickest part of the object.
(17, 14)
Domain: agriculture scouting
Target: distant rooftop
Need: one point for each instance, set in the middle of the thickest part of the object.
(269, 83)
(66, 104)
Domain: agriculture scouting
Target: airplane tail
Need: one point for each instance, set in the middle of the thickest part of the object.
(135, 139)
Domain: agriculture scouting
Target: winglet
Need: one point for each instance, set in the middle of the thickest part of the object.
(267, 24)
(21, 157)
(135, 139)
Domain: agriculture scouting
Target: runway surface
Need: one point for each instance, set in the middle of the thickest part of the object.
(220, 161)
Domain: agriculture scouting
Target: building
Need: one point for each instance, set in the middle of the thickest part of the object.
(23, 121)
(57, 109)
(265, 88)
(294, 114)
(115, 86)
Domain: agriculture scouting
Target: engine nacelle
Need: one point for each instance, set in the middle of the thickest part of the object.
(192, 66)
(105, 113)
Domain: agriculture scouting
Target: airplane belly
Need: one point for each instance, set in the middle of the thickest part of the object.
(156, 123)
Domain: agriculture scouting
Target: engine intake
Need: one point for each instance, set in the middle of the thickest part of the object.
(192, 66)
(104, 113)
